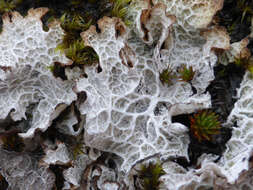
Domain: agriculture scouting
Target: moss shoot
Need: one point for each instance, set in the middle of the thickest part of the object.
(186, 73)
(166, 76)
(72, 45)
(204, 124)
(150, 175)
(120, 10)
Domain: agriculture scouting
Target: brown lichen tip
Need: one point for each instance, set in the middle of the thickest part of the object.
(104, 24)
(239, 49)
(32, 14)
(112, 34)
(153, 16)
(38, 12)
(217, 38)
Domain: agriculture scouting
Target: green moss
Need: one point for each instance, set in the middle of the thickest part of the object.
(246, 63)
(73, 25)
(120, 10)
(76, 2)
(150, 174)
(51, 68)
(186, 73)
(204, 124)
(250, 68)
(8, 5)
(166, 76)
(72, 44)
(246, 8)
(78, 150)
(81, 54)
(76, 146)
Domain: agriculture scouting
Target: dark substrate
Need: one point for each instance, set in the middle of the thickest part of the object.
(223, 96)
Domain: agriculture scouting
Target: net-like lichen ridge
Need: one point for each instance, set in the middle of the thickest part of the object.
(108, 124)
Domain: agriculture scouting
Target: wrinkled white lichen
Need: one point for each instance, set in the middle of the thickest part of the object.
(26, 53)
(127, 110)
(21, 171)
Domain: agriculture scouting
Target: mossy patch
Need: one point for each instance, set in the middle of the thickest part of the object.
(204, 125)
(150, 175)
(72, 45)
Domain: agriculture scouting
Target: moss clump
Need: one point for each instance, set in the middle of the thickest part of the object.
(120, 9)
(81, 54)
(150, 174)
(72, 45)
(186, 73)
(76, 146)
(73, 24)
(246, 63)
(166, 76)
(8, 5)
(246, 8)
(204, 124)
(78, 150)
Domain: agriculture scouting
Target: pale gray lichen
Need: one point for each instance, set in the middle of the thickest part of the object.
(26, 52)
(22, 172)
(133, 115)
(127, 110)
